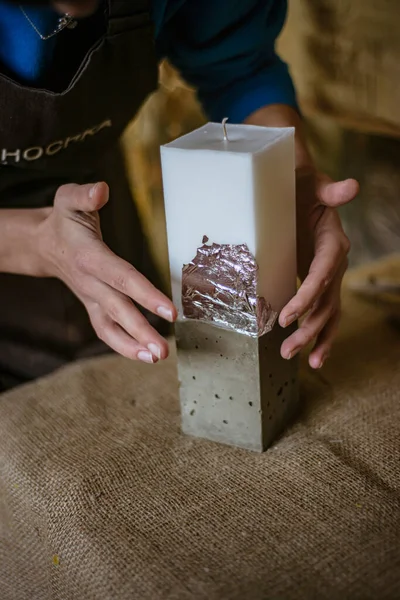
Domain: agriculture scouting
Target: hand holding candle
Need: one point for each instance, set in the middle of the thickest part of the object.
(322, 245)
(322, 261)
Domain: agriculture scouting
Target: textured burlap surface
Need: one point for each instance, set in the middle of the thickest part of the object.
(101, 498)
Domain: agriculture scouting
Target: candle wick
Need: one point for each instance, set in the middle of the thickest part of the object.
(224, 121)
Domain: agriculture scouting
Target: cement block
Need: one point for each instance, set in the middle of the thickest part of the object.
(234, 389)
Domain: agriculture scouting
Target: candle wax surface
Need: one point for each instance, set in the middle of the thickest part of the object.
(243, 139)
(238, 191)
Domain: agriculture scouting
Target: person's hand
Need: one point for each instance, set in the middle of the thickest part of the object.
(72, 249)
(322, 248)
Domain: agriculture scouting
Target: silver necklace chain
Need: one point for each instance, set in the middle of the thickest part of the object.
(64, 22)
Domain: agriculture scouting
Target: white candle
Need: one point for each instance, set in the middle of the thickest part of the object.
(237, 188)
(235, 191)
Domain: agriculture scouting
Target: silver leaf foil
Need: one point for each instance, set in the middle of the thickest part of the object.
(219, 286)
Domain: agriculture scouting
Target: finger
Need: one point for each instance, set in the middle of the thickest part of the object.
(84, 198)
(314, 322)
(101, 299)
(324, 342)
(121, 310)
(125, 279)
(119, 341)
(317, 319)
(329, 253)
(307, 331)
(338, 193)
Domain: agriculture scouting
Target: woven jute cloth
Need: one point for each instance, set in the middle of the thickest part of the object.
(102, 498)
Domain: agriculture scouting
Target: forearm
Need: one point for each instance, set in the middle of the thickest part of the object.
(281, 115)
(19, 241)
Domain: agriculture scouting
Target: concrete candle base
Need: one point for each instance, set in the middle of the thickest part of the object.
(235, 389)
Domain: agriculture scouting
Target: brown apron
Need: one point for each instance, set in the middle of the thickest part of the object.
(48, 139)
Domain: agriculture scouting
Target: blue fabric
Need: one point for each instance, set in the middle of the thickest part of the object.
(21, 49)
(224, 48)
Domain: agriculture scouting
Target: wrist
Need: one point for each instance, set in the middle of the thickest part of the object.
(20, 241)
(282, 115)
(38, 244)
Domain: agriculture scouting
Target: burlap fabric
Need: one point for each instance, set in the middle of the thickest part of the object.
(103, 499)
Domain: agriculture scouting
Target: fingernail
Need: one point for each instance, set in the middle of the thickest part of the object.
(290, 319)
(292, 353)
(155, 350)
(165, 313)
(92, 190)
(323, 361)
(146, 357)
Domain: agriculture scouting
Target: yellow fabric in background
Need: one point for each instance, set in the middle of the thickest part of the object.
(344, 57)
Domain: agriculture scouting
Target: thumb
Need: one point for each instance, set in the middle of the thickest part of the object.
(83, 198)
(338, 193)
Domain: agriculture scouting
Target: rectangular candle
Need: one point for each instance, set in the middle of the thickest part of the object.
(231, 223)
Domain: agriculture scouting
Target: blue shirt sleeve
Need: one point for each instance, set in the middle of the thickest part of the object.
(226, 50)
